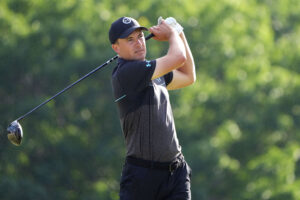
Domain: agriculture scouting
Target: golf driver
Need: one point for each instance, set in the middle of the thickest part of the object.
(15, 131)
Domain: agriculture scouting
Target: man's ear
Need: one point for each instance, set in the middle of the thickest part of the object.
(115, 47)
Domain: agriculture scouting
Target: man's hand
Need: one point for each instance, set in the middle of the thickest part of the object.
(163, 31)
(171, 21)
(174, 24)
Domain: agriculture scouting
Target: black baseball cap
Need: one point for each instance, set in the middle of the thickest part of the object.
(122, 28)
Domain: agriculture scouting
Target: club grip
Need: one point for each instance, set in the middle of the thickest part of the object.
(149, 36)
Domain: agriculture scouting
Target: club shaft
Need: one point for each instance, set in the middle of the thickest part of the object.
(71, 85)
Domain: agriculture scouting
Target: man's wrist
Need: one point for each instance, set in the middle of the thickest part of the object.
(174, 37)
(173, 34)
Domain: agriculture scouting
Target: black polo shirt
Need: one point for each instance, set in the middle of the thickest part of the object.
(145, 111)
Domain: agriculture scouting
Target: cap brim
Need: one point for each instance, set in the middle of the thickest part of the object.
(130, 30)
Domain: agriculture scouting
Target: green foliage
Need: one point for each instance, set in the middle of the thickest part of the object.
(238, 124)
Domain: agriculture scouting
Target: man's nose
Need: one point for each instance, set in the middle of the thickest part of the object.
(139, 42)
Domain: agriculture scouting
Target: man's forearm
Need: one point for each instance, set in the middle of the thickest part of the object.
(176, 47)
(189, 66)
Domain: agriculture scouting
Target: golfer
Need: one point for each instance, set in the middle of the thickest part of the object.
(154, 168)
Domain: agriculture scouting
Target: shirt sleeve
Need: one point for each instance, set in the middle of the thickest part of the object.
(168, 78)
(136, 75)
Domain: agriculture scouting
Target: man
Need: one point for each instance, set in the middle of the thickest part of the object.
(155, 168)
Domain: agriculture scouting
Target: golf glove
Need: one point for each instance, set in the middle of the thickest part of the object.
(173, 23)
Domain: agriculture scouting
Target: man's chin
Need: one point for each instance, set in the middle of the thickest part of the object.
(140, 57)
(135, 57)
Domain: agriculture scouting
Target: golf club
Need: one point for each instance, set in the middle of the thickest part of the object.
(15, 131)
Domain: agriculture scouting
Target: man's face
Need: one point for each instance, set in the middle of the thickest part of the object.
(133, 47)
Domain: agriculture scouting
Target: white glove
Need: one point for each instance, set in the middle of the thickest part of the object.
(172, 22)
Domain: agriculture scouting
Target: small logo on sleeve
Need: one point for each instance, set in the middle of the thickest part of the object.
(148, 64)
(159, 81)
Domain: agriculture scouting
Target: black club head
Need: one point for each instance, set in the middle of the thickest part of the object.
(15, 133)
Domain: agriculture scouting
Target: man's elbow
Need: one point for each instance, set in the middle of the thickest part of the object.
(180, 59)
(192, 79)
(183, 58)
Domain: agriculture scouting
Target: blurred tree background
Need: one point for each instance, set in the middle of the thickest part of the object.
(239, 124)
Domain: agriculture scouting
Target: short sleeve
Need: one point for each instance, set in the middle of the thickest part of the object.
(136, 75)
(168, 78)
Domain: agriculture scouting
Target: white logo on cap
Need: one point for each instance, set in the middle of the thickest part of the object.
(126, 20)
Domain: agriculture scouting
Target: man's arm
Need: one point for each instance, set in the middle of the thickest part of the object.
(176, 55)
(185, 75)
